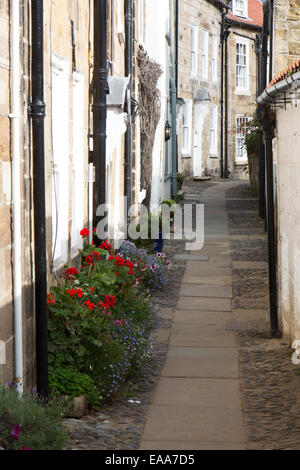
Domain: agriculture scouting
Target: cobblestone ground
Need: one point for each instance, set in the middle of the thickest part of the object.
(270, 384)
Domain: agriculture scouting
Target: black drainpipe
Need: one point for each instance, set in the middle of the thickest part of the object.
(268, 126)
(264, 74)
(37, 114)
(128, 73)
(226, 34)
(222, 95)
(100, 90)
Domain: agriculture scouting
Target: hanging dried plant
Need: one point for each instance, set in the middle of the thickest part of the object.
(150, 109)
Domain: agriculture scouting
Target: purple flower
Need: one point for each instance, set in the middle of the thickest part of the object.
(16, 431)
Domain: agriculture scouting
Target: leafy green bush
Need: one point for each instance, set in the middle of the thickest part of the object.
(27, 423)
(74, 384)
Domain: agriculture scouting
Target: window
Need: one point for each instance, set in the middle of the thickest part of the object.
(214, 58)
(240, 8)
(187, 128)
(204, 54)
(242, 70)
(194, 52)
(241, 131)
(141, 21)
(213, 129)
(60, 174)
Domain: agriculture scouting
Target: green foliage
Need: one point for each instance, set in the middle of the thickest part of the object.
(180, 179)
(252, 135)
(74, 384)
(100, 324)
(28, 423)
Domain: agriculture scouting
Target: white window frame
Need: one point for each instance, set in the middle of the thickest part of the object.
(78, 180)
(240, 8)
(60, 145)
(240, 149)
(194, 51)
(213, 131)
(239, 88)
(214, 58)
(187, 128)
(141, 21)
(204, 54)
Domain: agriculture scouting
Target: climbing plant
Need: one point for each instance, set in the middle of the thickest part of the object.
(149, 95)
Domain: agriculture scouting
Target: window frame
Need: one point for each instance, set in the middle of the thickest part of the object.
(238, 137)
(213, 143)
(188, 109)
(243, 42)
(204, 54)
(194, 51)
(214, 58)
(241, 13)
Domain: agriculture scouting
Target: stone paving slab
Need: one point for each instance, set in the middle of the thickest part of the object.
(194, 423)
(179, 445)
(194, 268)
(201, 362)
(211, 280)
(195, 334)
(204, 303)
(201, 317)
(209, 392)
(194, 290)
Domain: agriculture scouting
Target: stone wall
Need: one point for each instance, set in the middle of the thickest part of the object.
(206, 16)
(287, 33)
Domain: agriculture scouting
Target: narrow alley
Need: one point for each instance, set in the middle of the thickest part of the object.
(217, 376)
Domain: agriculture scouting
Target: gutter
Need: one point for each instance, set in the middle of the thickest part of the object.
(16, 193)
(270, 94)
(37, 114)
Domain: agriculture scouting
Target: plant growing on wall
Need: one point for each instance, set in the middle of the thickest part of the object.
(149, 95)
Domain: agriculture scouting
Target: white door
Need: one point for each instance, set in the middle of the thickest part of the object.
(197, 157)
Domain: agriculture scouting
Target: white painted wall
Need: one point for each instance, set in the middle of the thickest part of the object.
(157, 26)
(288, 194)
(116, 129)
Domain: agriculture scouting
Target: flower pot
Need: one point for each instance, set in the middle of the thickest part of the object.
(159, 243)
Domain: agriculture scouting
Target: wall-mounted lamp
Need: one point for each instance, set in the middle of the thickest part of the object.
(168, 131)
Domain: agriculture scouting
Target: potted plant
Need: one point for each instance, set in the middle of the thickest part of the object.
(251, 143)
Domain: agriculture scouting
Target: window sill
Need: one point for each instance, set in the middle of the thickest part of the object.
(242, 92)
(186, 155)
(241, 162)
(213, 155)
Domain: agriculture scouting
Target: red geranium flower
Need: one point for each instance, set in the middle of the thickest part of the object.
(89, 305)
(105, 246)
(84, 232)
(50, 300)
(75, 292)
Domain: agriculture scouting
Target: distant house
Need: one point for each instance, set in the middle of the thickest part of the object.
(217, 84)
